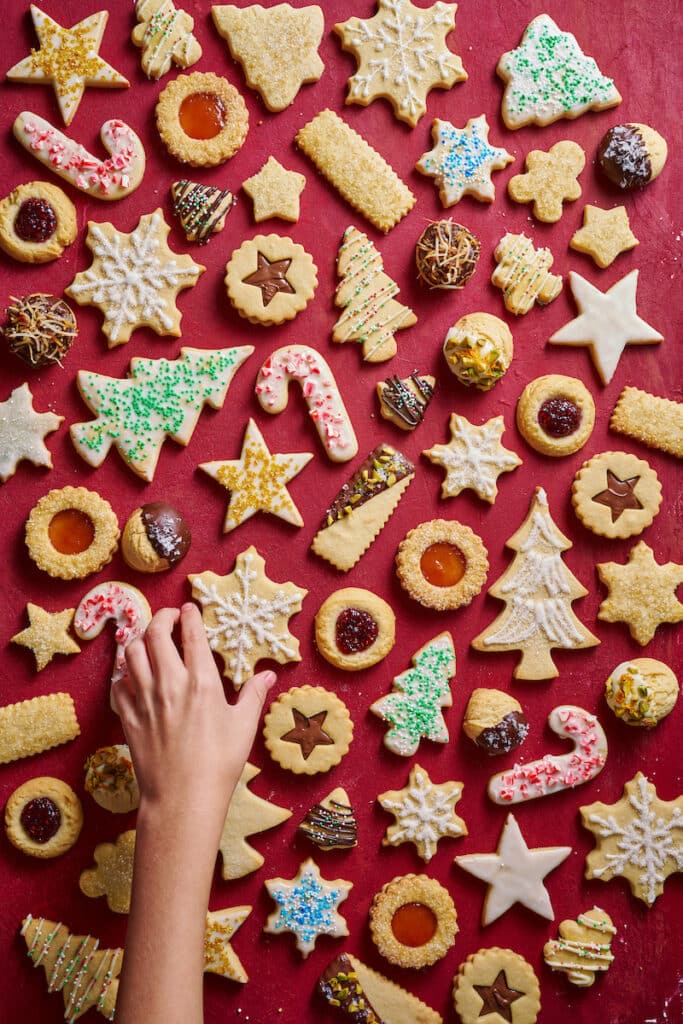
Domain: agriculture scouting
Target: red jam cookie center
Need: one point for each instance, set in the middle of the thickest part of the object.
(559, 417)
(36, 221)
(414, 925)
(355, 631)
(202, 115)
(443, 564)
(71, 532)
(41, 819)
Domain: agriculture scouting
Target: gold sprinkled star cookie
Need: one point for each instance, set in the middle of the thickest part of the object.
(474, 458)
(68, 60)
(402, 55)
(462, 161)
(424, 813)
(275, 192)
(219, 956)
(642, 593)
(604, 235)
(257, 480)
(47, 634)
(23, 431)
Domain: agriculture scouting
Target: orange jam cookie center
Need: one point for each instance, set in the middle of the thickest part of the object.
(202, 115)
(414, 924)
(443, 564)
(71, 532)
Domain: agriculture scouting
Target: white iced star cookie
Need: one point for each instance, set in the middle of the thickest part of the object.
(474, 458)
(23, 431)
(548, 77)
(258, 480)
(514, 873)
(462, 161)
(424, 813)
(307, 906)
(68, 60)
(219, 956)
(607, 322)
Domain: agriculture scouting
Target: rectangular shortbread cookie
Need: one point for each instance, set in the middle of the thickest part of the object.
(356, 170)
(32, 726)
(657, 422)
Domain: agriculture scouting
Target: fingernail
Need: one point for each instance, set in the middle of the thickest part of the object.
(187, 606)
(269, 678)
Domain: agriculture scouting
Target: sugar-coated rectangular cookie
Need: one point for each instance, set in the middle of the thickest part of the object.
(657, 422)
(32, 726)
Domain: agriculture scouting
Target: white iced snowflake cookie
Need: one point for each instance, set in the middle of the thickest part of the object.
(424, 813)
(474, 458)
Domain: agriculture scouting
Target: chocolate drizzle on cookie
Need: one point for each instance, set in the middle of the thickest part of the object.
(330, 825)
(383, 468)
(408, 404)
(340, 986)
(505, 736)
(624, 157)
(166, 530)
(201, 209)
(40, 329)
(446, 255)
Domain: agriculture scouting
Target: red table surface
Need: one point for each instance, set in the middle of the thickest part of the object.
(634, 43)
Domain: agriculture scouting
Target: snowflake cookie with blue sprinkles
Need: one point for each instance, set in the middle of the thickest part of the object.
(307, 905)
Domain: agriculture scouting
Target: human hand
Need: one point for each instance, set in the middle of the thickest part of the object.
(187, 743)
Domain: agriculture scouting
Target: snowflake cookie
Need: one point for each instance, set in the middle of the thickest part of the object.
(640, 838)
(474, 458)
(642, 592)
(402, 55)
(307, 906)
(462, 161)
(424, 813)
(246, 614)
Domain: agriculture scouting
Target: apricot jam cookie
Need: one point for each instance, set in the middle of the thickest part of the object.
(413, 921)
(616, 495)
(43, 817)
(497, 984)
(202, 119)
(71, 533)
(307, 730)
(354, 629)
(270, 279)
(37, 222)
(442, 564)
(555, 414)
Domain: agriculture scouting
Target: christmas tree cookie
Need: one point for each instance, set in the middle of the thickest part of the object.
(538, 590)
(201, 209)
(248, 814)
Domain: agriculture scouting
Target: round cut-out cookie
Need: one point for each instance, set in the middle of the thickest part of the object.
(269, 279)
(43, 817)
(413, 921)
(308, 730)
(202, 119)
(496, 983)
(442, 564)
(616, 495)
(72, 532)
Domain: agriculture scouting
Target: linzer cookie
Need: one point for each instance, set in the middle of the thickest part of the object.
(32, 726)
(632, 155)
(269, 279)
(155, 538)
(354, 629)
(424, 813)
(331, 824)
(201, 209)
(37, 222)
(556, 414)
(362, 507)
(523, 274)
(367, 997)
(446, 255)
(413, 921)
(40, 329)
(72, 532)
(463, 160)
(654, 421)
(164, 33)
(23, 432)
(404, 401)
(371, 314)
(202, 119)
(307, 730)
(496, 983)
(442, 564)
(583, 949)
(495, 721)
(356, 170)
(616, 495)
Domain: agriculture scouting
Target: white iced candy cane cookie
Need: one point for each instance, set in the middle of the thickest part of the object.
(321, 394)
(121, 604)
(113, 178)
(555, 772)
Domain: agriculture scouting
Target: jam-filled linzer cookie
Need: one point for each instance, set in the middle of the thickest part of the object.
(308, 730)
(616, 495)
(71, 533)
(354, 629)
(202, 119)
(442, 564)
(556, 414)
(413, 921)
(497, 985)
(37, 222)
(43, 817)
(40, 329)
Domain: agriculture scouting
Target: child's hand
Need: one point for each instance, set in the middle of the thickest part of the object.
(188, 744)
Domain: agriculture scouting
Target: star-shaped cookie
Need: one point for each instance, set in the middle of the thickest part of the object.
(550, 180)
(23, 431)
(257, 480)
(275, 192)
(642, 593)
(47, 634)
(424, 813)
(68, 60)
(607, 322)
(474, 458)
(514, 873)
(402, 54)
(134, 278)
(219, 956)
(604, 234)
(462, 161)
(277, 47)
(307, 906)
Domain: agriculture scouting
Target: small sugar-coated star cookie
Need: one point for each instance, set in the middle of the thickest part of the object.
(47, 634)
(604, 235)
(275, 192)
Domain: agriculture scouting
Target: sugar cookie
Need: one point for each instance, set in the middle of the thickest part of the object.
(555, 414)
(413, 921)
(462, 161)
(404, 401)
(657, 422)
(442, 564)
(583, 948)
(478, 350)
(642, 692)
(632, 155)
(308, 730)
(43, 817)
(424, 813)
(37, 222)
(121, 604)
(354, 629)
(474, 458)
(523, 274)
(641, 593)
(47, 634)
(32, 726)
(275, 191)
(550, 179)
(164, 33)
(604, 235)
(202, 119)
(71, 533)
(112, 875)
(308, 906)
(615, 494)
(496, 983)
(366, 996)
(248, 815)
(23, 432)
(269, 279)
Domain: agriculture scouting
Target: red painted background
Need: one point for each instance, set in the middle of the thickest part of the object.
(637, 44)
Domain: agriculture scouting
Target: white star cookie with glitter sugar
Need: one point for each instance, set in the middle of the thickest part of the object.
(462, 161)
(23, 431)
(307, 906)
(474, 458)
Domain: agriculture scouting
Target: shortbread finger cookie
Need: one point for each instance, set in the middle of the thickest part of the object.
(404, 401)
(654, 421)
(364, 996)
(354, 629)
(112, 875)
(582, 950)
(37, 222)
(616, 495)
(632, 155)
(442, 564)
(642, 692)
(47, 634)
(478, 350)
(40, 329)
(556, 414)
(462, 161)
(164, 34)
(201, 209)
(110, 179)
(495, 721)
(308, 906)
(424, 813)
(641, 593)
(202, 119)
(269, 279)
(72, 532)
(32, 726)
(474, 458)
(604, 235)
(550, 180)
(413, 921)
(523, 274)
(308, 730)
(43, 817)
(549, 77)
(23, 432)
(496, 983)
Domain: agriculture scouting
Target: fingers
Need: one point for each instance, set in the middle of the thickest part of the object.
(137, 662)
(252, 697)
(164, 660)
(196, 651)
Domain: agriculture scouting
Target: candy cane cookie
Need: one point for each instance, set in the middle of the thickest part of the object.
(125, 606)
(555, 772)
(321, 394)
(109, 179)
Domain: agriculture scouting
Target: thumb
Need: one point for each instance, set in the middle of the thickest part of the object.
(253, 695)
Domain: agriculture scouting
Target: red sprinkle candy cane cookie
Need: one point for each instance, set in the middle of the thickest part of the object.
(555, 772)
(121, 603)
(113, 178)
(321, 394)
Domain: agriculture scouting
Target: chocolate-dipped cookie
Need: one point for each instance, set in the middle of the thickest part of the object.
(156, 537)
(495, 721)
(632, 155)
